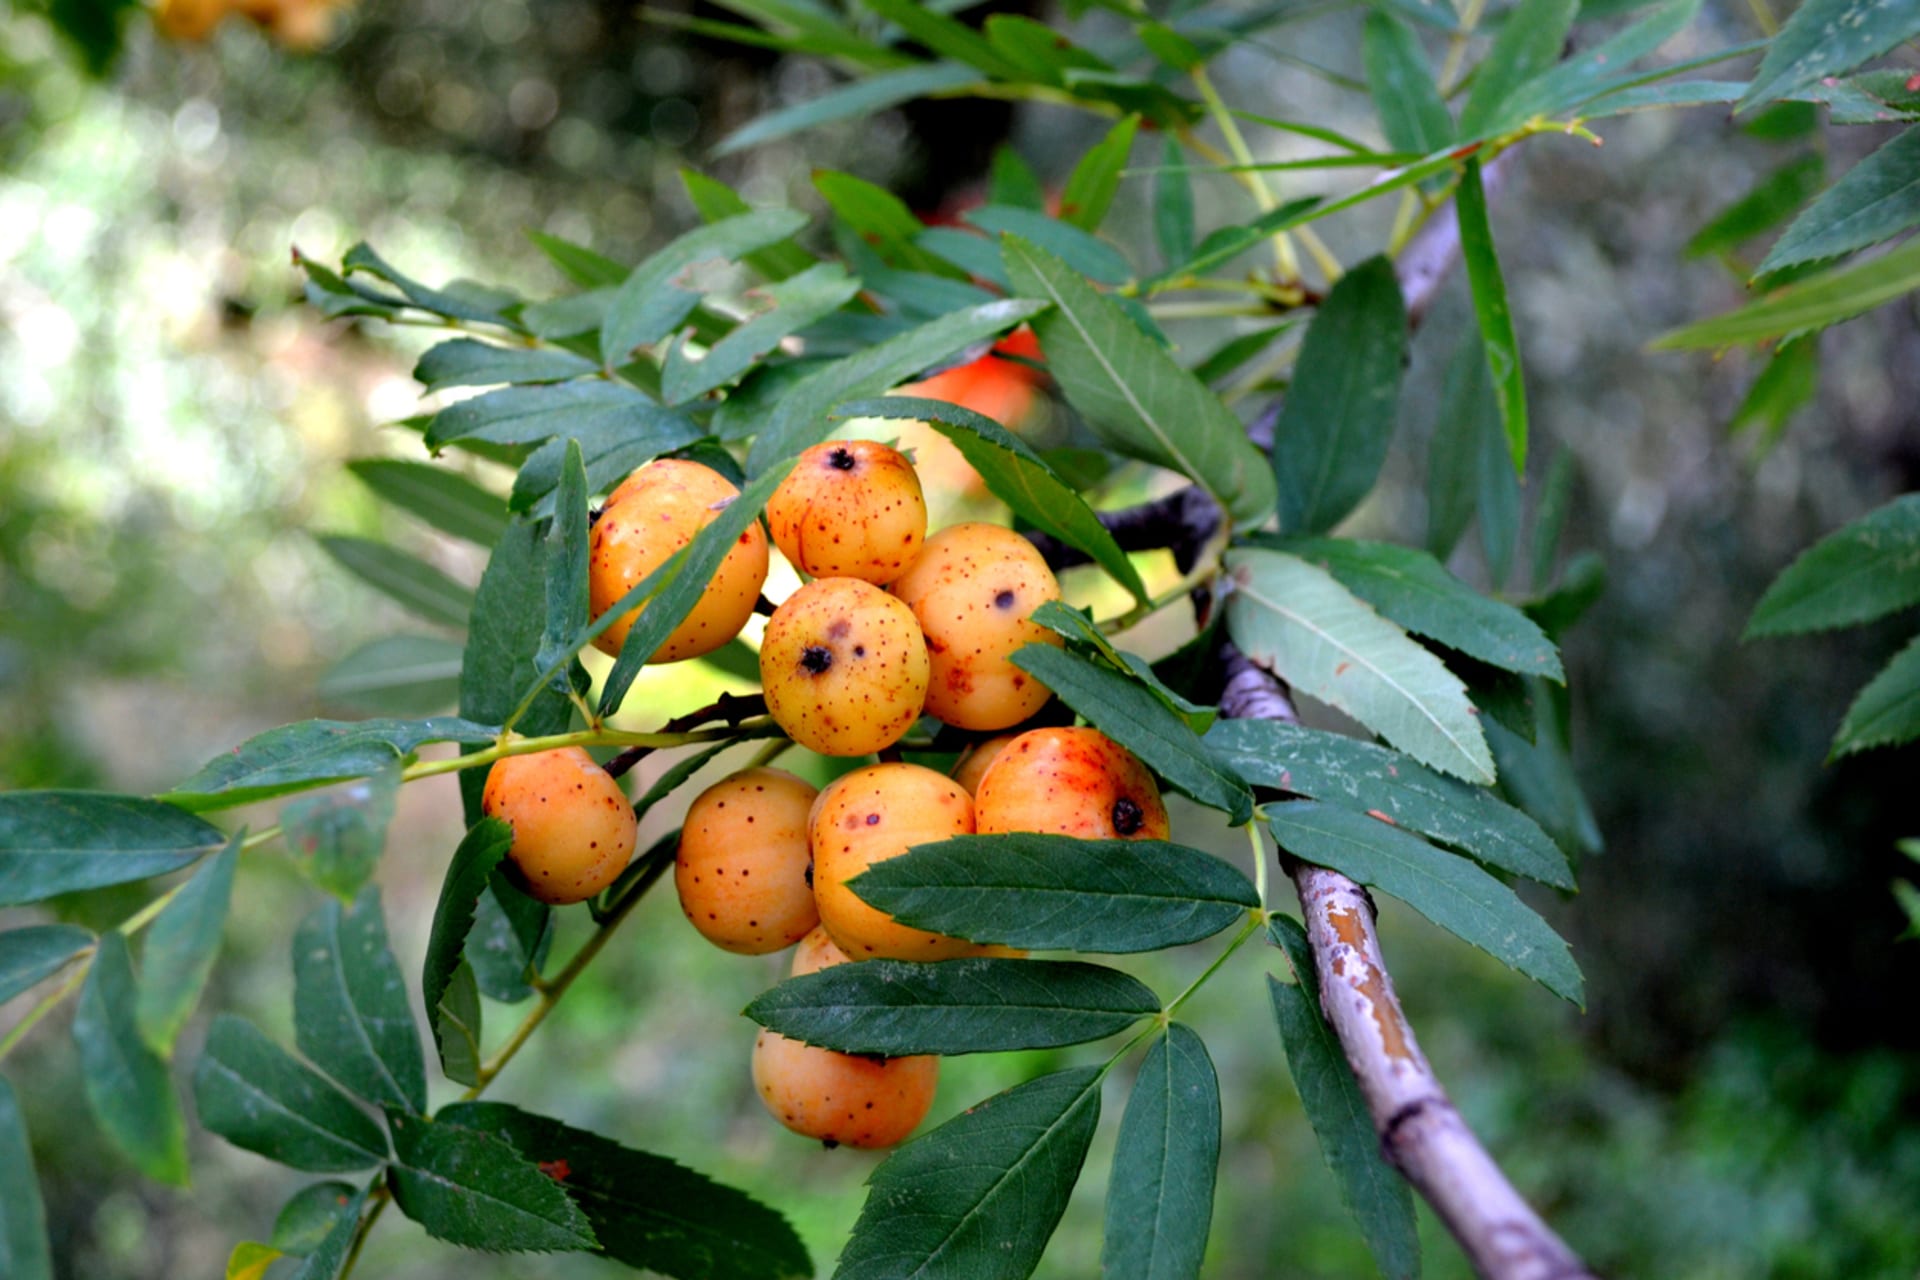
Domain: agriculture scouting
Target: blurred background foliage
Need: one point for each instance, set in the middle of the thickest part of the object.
(1740, 1097)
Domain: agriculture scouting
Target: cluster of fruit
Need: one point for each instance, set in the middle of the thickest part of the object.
(297, 24)
(892, 624)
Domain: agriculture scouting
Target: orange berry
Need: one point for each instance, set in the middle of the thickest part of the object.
(816, 951)
(850, 509)
(840, 1098)
(573, 828)
(844, 667)
(868, 816)
(1073, 782)
(743, 866)
(977, 759)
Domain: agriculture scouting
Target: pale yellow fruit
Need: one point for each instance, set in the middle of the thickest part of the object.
(743, 869)
(573, 828)
(844, 667)
(849, 509)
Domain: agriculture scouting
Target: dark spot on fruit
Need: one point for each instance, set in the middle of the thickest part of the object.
(816, 659)
(1127, 816)
(1004, 600)
(809, 875)
(841, 459)
(829, 1143)
(873, 819)
(859, 651)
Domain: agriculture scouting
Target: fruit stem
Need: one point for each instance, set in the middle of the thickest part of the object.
(1259, 860)
(600, 736)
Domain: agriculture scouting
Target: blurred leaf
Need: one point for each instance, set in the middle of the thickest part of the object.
(1092, 184)
(260, 1098)
(1235, 352)
(472, 1189)
(1825, 38)
(338, 837)
(1809, 304)
(1788, 383)
(880, 219)
(573, 316)
(24, 1251)
(456, 1019)
(650, 303)
(1015, 474)
(463, 362)
(446, 500)
(125, 1081)
(716, 202)
(35, 952)
(1863, 571)
(808, 27)
(1298, 622)
(396, 675)
(1412, 114)
(1445, 888)
(310, 1215)
(1870, 97)
(1078, 628)
(327, 1257)
(1500, 695)
(1078, 249)
(1160, 1194)
(1338, 418)
(978, 1197)
(461, 300)
(1041, 52)
(510, 939)
(581, 265)
(1228, 243)
(1549, 519)
(1782, 122)
(1011, 181)
(1376, 1196)
(1497, 496)
(1772, 201)
(1413, 589)
(350, 1010)
(1529, 42)
(1170, 46)
(946, 37)
(1490, 306)
(860, 100)
(1371, 779)
(312, 753)
(1132, 393)
(1059, 893)
(1138, 720)
(1173, 208)
(974, 254)
(54, 842)
(1583, 582)
(468, 873)
(1538, 776)
(1599, 69)
(892, 1007)
(919, 294)
(407, 580)
(1887, 712)
(1877, 199)
(250, 1261)
(181, 947)
(567, 606)
(792, 305)
(647, 1211)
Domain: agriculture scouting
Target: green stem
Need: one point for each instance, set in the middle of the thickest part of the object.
(380, 1197)
(47, 1004)
(1254, 920)
(1259, 862)
(1263, 196)
(600, 736)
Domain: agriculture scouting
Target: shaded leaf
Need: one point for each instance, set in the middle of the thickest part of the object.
(583, 266)
(125, 1081)
(792, 305)
(312, 753)
(470, 1188)
(396, 675)
(1160, 1195)
(405, 579)
(1412, 113)
(36, 952)
(260, 1098)
(464, 362)
(1824, 38)
(181, 946)
(457, 1020)
(1173, 206)
(864, 98)
(55, 842)
(1788, 382)
(946, 36)
(1772, 201)
(1858, 573)
(1492, 310)
(468, 874)
(1878, 198)
(1080, 250)
(1467, 418)
(445, 499)
(1887, 711)
(1095, 180)
(310, 1215)
(24, 1252)
(509, 942)
(339, 835)
(568, 608)
(350, 1010)
(649, 304)
(1010, 180)
(330, 1254)
(1538, 776)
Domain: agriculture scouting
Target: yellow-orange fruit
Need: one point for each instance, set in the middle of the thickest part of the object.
(850, 509)
(1071, 782)
(973, 589)
(189, 20)
(978, 758)
(743, 866)
(844, 667)
(816, 951)
(652, 514)
(573, 828)
(839, 1098)
(868, 816)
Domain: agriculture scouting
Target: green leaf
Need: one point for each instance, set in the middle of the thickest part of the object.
(1878, 198)
(1887, 712)
(1338, 418)
(464, 362)
(650, 303)
(1495, 316)
(1057, 893)
(1412, 113)
(862, 99)
(592, 411)
(350, 1006)
(407, 580)
(1227, 243)
(568, 608)
(1529, 42)
(445, 499)
(716, 202)
(1160, 1195)
(338, 836)
(1138, 720)
(403, 675)
(125, 1081)
(1538, 776)
(1094, 182)
(1446, 889)
(946, 37)
(1368, 778)
(1132, 393)
(581, 265)
(792, 305)
(881, 222)
(1080, 629)
(1497, 483)
(978, 1197)
(1415, 590)
(453, 916)
(330, 1255)
(312, 753)
(1011, 180)
(1016, 475)
(310, 1215)
(1596, 70)
(1772, 201)
(1173, 206)
(457, 1019)
(260, 1098)
(1041, 52)
(800, 418)
(1080, 250)
(892, 1008)
(181, 948)
(472, 1189)
(1298, 622)
(1787, 384)
(1858, 573)
(1467, 419)
(647, 1211)
(1235, 352)
(460, 300)
(54, 842)
(1808, 304)
(510, 939)
(24, 1251)
(1378, 1198)
(1825, 38)
(30, 955)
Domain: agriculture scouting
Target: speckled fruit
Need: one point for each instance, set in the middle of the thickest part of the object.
(844, 667)
(652, 514)
(850, 509)
(868, 816)
(977, 759)
(1071, 782)
(573, 829)
(816, 951)
(743, 870)
(973, 589)
(839, 1098)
